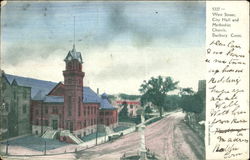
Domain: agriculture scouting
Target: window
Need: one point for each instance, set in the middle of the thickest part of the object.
(7, 107)
(46, 123)
(37, 122)
(131, 106)
(95, 110)
(46, 109)
(88, 110)
(14, 94)
(24, 108)
(70, 81)
(69, 105)
(107, 121)
(24, 94)
(79, 106)
(69, 66)
(84, 123)
(37, 112)
(55, 110)
(94, 121)
(91, 122)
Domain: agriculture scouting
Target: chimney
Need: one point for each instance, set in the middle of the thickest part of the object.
(97, 91)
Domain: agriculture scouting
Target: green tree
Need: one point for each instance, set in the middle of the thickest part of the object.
(186, 91)
(148, 110)
(192, 103)
(128, 97)
(155, 91)
(172, 102)
(123, 114)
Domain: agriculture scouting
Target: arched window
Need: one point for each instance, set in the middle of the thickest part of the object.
(79, 106)
(69, 65)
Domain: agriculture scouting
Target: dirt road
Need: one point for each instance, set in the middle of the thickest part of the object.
(169, 138)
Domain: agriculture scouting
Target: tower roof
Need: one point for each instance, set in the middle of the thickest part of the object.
(73, 54)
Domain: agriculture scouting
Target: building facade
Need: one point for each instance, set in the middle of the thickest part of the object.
(67, 106)
(132, 105)
(15, 108)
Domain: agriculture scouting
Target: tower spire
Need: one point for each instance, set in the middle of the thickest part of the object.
(74, 35)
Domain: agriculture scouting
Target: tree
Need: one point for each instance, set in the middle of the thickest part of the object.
(192, 103)
(128, 97)
(186, 91)
(155, 91)
(123, 114)
(172, 102)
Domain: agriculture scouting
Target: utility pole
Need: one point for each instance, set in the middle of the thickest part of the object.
(44, 147)
(96, 127)
(105, 127)
(7, 127)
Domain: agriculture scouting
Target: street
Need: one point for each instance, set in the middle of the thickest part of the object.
(169, 138)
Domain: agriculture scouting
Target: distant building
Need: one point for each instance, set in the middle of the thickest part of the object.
(15, 108)
(69, 105)
(132, 105)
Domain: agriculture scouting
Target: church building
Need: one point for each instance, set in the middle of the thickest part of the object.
(68, 107)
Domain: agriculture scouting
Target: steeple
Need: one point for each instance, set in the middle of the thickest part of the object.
(73, 54)
(74, 34)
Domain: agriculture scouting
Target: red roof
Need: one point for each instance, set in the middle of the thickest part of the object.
(129, 102)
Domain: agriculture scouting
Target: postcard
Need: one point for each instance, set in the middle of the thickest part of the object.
(124, 80)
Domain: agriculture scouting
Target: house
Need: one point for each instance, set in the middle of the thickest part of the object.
(15, 108)
(132, 105)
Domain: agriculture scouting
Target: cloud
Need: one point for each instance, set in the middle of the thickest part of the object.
(122, 44)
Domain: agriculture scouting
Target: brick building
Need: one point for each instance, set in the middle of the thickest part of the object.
(67, 106)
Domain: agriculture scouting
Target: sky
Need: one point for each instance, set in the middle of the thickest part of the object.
(122, 43)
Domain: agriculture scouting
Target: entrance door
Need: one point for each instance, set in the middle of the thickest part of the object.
(55, 124)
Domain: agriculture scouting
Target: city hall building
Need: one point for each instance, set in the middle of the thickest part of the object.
(67, 106)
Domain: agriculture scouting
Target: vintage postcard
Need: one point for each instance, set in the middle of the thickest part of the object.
(124, 80)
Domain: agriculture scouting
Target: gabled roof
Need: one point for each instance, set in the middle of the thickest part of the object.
(40, 90)
(73, 54)
(106, 105)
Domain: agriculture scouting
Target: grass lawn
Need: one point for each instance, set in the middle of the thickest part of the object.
(37, 143)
